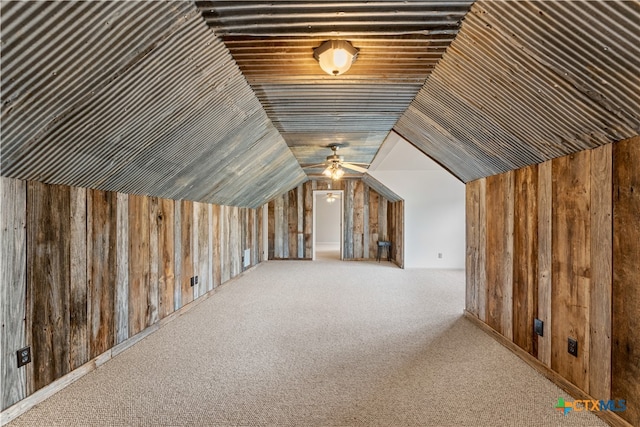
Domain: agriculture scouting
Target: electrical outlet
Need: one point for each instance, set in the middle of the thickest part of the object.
(538, 327)
(572, 347)
(24, 356)
(194, 281)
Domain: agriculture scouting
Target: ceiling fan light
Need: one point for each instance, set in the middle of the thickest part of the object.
(335, 56)
(327, 172)
(337, 174)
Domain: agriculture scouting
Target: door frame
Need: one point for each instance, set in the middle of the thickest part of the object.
(341, 199)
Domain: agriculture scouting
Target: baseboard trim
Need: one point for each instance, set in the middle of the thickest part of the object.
(610, 418)
(19, 408)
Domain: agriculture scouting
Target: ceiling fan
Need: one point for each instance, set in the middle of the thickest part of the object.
(335, 164)
(332, 197)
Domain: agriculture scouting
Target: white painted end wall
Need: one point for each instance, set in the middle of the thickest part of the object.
(434, 205)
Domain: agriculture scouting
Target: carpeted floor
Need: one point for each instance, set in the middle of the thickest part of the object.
(323, 343)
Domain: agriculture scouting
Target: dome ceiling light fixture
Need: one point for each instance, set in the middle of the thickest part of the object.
(335, 56)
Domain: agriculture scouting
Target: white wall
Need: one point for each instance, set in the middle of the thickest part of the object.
(434, 204)
(327, 220)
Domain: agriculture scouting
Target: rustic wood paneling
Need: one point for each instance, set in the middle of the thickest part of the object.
(177, 254)
(78, 316)
(166, 259)
(13, 288)
(373, 224)
(365, 221)
(234, 241)
(571, 259)
(225, 214)
(211, 249)
(243, 237)
(217, 242)
(587, 251)
(292, 223)
(272, 237)
(472, 235)
(481, 277)
(545, 202)
(347, 231)
(89, 269)
(195, 248)
(154, 263)
(601, 271)
(48, 280)
(300, 220)
(285, 225)
(278, 228)
(186, 246)
(261, 234)
(358, 220)
(499, 270)
(626, 277)
(138, 263)
(256, 232)
(525, 258)
(122, 268)
(101, 269)
(308, 219)
(397, 238)
(383, 233)
(203, 248)
(392, 209)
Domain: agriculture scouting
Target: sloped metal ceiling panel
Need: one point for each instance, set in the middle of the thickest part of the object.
(400, 44)
(527, 81)
(382, 189)
(138, 97)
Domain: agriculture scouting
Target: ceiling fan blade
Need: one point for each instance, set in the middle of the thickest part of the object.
(353, 167)
(359, 163)
(315, 166)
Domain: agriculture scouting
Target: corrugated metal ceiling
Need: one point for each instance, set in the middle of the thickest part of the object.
(400, 44)
(525, 82)
(380, 188)
(138, 97)
(144, 97)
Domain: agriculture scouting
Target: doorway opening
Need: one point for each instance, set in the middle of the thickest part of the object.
(327, 224)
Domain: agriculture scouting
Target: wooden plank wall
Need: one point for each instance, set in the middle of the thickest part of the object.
(499, 193)
(395, 215)
(525, 258)
(626, 277)
(13, 288)
(102, 277)
(84, 270)
(368, 217)
(571, 261)
(48, 280)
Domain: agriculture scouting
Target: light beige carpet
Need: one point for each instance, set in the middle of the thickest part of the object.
(324, 343)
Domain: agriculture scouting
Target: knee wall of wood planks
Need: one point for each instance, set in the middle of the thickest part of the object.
(560, 241)
(85, 270)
